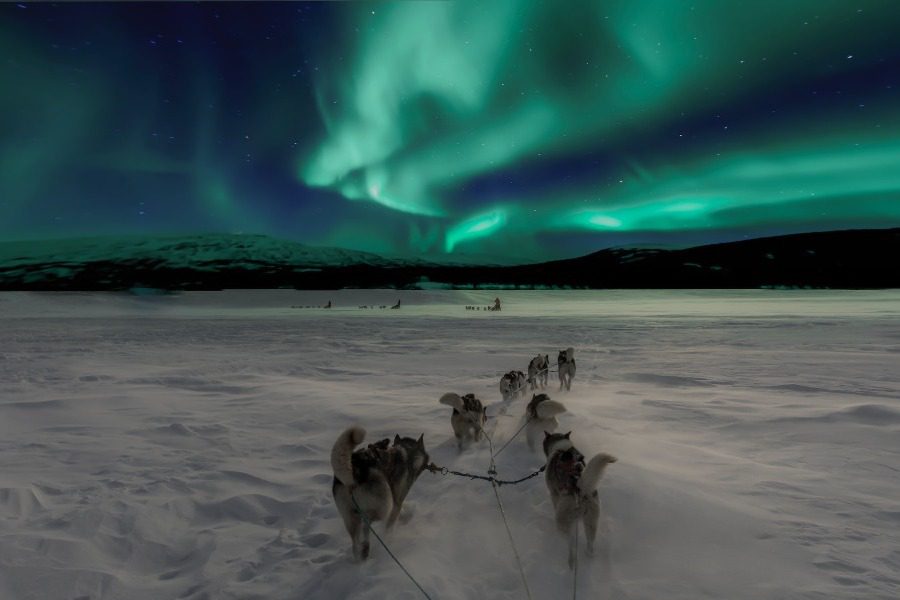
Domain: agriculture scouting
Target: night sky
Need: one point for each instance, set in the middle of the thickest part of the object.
(499, 129)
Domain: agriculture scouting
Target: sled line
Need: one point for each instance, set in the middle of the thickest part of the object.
(385, 546)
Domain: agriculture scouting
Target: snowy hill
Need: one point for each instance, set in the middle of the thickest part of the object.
(170, 262)
(838, 259)
(181, 251)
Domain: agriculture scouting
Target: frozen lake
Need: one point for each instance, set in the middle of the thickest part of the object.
(178, 446)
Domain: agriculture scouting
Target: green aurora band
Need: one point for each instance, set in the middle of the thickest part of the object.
(437, 94)
(509, 129)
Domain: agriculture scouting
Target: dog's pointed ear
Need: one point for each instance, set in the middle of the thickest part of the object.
(546, 434)
(396, 439)
(568, 434)
(421, 441)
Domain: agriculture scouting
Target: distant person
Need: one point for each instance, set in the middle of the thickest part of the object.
(496, 304)
(327, 305)
(396, 305)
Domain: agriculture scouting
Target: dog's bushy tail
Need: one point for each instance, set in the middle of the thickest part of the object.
(453, 400)
(342, 452)
(593, 472)
(549, 408)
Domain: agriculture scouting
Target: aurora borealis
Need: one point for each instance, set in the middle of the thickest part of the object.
(502, 129)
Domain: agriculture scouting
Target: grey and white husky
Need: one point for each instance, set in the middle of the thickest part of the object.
(513, 385)
(573, 488)
(468, 417)
(378, 477)
(566, 366)
(539, 371)
(541, 414)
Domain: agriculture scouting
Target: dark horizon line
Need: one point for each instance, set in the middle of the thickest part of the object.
(440, 258)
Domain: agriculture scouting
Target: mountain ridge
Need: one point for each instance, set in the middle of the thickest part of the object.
(841, 259)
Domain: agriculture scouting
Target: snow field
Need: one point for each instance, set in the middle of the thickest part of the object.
(177, 446)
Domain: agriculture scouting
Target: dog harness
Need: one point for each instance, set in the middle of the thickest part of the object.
(471, 403)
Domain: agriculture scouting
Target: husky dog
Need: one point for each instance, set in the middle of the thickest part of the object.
(468, 417)
(377, 477)
(573, 488)
(566, 366)
(538, 371)
(513, 384)
(541, 415)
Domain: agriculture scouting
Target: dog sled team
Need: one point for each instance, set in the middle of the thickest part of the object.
(329, 305)
(513, 384)
(495, 307)
(371, 482)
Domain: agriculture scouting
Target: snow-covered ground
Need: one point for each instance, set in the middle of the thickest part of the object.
(178, 446)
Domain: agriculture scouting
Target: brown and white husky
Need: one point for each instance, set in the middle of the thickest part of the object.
(377, 477)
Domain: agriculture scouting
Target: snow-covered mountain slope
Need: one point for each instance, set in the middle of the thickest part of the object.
(182, 251)
(837, 259)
